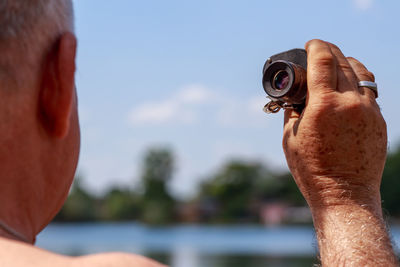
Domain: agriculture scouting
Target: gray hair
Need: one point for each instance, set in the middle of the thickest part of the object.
(28, 28)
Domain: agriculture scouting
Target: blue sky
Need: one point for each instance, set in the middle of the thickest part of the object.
(187, 74)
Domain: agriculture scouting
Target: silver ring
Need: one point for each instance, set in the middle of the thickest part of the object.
(371, 85)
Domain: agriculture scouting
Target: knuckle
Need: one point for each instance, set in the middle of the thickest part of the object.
(333, 46)
(325, 59)
(314, 42)
(359, 109)
(346, 67)
(354, 107)
(370, 76)
(356, 63)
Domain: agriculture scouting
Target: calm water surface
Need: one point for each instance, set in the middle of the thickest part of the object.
(190, 246)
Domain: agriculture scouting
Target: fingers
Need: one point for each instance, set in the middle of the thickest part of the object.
(321, 67)
(328, 68)
(346, 79)
(362, 74)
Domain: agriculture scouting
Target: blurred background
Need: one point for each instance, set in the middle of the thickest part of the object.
(178, 161)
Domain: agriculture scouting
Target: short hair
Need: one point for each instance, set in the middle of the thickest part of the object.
(28, 28)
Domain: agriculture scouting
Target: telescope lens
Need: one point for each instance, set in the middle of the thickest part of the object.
(280, 80)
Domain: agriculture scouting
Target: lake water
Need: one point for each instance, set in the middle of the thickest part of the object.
(190, 246)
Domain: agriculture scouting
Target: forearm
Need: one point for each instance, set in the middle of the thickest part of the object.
(353, 234)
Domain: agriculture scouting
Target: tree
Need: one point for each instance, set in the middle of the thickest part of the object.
(279, 187)
(157, 203)
(390, 188)
(232, 191)
(120, 204)
(237, 192)
(80, 205)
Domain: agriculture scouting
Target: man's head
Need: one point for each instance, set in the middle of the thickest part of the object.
(28, 29)
(39, 130)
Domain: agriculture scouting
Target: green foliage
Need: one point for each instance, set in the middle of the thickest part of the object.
(232, 190)
(235, 193)
(80, 205)
(158, 212)
(158, 165)
(390, 188)
(280, 188)
(153, 206)
(240, 188)
(121, 205)
(157, 203)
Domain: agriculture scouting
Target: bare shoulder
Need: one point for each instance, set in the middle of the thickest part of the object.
(18, 254)
(115, 259)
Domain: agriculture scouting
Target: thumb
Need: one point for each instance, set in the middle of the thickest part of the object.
(321, 67)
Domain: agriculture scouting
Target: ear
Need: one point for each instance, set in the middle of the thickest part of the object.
(57, 93)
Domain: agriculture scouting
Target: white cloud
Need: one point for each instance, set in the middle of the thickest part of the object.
(155, 112)
(195, 103)
(194, 94)
(363, 4)
(179, 108)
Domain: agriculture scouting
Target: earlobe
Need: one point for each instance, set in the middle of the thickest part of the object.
(57, 95)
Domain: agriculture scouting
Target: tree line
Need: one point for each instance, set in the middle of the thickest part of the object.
(239, 192)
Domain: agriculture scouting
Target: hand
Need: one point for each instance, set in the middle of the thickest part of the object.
(336, 149)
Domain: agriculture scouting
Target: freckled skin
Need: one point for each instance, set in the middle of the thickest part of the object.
(336, 151)
(337, 137)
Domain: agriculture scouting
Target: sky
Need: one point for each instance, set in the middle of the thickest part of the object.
(187, 75)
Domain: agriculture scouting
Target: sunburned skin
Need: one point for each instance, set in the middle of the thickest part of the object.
(336, 151)
(32, 256)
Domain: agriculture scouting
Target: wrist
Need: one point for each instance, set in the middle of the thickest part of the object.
(350, 201)
(322, 192)
(361, 209)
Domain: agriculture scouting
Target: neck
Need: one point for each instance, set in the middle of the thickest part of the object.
(17, 220)
(11, 233)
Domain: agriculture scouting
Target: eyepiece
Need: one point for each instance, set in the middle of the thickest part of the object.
(281, 80)
(285, 81)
